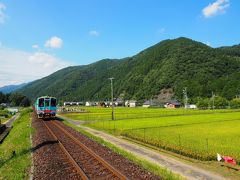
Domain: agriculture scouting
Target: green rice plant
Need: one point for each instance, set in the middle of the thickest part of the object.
(122, 113)
(196, 141)
(198, 135)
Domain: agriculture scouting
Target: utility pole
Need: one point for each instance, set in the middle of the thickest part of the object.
(213, 96)
(111, 79)
(185, 97)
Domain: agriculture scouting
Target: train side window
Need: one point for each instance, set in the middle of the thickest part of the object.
(53, 102)
(41, 102)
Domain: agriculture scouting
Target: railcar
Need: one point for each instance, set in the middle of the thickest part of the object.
(46, 107)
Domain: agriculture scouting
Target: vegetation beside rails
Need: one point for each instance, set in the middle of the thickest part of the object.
(4, 116)
(15, 151)
(160, 171)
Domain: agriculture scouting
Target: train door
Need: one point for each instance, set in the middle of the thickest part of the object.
(47, 102)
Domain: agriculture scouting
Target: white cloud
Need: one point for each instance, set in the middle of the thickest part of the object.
(94, 33)
(19, 66)
(45, 60)
(215, 8)
(2, 15)
(35, 46)
(54, 42)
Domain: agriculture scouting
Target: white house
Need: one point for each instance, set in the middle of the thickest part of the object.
(88, 103)
(132, 103)
(146, 104)
(66, 104)
(192, 106)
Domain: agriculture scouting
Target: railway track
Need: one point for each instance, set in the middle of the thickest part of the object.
(86, 162)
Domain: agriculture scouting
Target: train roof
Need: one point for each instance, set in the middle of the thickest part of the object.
(46, 97)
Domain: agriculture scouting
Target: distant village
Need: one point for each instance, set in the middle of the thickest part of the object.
(131, 103)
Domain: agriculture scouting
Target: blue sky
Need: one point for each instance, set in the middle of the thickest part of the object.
(49, 35)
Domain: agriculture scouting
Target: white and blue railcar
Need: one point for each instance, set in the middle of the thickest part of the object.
(46, 107)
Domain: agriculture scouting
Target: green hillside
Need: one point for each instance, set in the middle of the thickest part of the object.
(231, 50)
(169, 64)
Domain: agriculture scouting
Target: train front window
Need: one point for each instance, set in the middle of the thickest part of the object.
(53, 102)
(47, 102)
(41, 102)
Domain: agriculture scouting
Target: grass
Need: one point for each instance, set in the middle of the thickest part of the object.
(15, 151)
(199, 134)
(162, 172)
(4, 116)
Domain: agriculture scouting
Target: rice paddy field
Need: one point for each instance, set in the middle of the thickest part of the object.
(199, 134)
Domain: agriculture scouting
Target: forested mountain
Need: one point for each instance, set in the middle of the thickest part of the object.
(232, 50)
(170, 64)
(11, 88)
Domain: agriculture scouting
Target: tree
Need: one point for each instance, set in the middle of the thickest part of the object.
(16, 99)
(235, 103)
(25, 102)
(203, 103)
(219, 102)
(3, 98)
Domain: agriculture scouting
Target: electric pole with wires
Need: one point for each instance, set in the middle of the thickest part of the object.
(185, 98)
(111, 79)
(213, 96)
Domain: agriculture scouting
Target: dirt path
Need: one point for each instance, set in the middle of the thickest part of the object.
(10, 121)
(174, 165)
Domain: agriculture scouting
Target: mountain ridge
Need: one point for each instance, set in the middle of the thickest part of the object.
(11, 88)
(175, 64)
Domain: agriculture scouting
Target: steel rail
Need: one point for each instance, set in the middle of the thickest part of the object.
(77, 167)
(98, 158)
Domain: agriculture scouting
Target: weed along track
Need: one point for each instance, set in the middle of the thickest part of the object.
(61, 152)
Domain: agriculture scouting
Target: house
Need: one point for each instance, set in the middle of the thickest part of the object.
(146, 104)
(130, 103)
(88, 103)
(73, 103)
(101, 104)
(107, 103)
(152, 103)
(110, 104)
(80, 103)
(192, 106)
(4, 104)
(66, 103)
(119, 102)
(173, 104)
